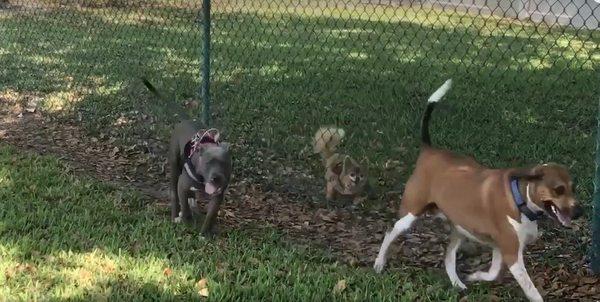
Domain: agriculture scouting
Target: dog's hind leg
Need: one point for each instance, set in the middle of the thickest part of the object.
(401, 226)
(494, 271)
(517, 269)
(183, 192)
(511, 248)
(175, 168)
(456, 240)
(413, 204)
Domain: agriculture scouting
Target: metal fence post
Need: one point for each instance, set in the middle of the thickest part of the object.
(595, 252)
(206, 63)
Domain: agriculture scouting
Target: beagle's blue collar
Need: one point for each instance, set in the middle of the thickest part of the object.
(521, 203)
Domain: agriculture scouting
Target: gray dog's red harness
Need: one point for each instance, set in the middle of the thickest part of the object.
(208, 137)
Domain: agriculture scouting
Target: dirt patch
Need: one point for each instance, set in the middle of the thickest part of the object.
(555, 262)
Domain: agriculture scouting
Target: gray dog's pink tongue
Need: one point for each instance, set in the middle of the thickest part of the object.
(209, 188)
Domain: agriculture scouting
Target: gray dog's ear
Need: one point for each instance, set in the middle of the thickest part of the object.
(201, 150)
(215, 134)
(225, 146)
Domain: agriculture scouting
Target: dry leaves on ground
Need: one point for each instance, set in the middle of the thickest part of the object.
(202, 286)
(339, 287)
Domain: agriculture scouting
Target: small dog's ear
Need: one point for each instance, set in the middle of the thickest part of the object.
(364, 166)
(347, 162)
(338, 169)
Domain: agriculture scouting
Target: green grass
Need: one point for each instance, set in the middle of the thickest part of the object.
(64, 237)
(523, 94)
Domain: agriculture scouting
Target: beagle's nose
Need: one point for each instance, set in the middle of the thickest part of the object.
(576, 212)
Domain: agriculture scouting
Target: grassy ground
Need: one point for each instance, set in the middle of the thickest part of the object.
(523, 94)
(68, 238)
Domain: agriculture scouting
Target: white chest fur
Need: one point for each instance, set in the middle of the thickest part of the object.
(527, 230)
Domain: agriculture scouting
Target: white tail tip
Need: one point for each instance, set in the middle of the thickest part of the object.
(440, 92)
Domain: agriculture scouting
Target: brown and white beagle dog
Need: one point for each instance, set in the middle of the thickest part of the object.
(496, 207)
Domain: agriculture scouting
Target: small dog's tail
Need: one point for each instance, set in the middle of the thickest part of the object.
(326, 141)
(433, 99)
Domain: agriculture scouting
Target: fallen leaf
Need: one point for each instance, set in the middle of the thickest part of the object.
(203, 292)
(339, 287)
(9, 273)
(114, 151)
(326, 218)
(32, 105)
(222, 267)
(168, 272)
(254, 261)
(202, 284)
(589, 280)
(191, 104)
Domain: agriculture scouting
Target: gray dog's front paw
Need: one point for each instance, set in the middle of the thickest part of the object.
(179, 218)
(379, 265)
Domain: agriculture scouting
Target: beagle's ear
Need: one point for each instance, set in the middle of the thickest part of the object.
(528, 174)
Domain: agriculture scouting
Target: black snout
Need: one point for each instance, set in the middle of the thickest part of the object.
(576, 212)
(217, 179)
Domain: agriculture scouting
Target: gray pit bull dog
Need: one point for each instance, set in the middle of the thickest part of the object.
(199, 164)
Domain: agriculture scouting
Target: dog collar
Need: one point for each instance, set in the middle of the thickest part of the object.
(520, 203)
(200, 138)
(191, 171)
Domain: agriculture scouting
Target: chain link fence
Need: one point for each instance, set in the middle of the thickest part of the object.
(525, 73)
(282, 68)
(355, 62)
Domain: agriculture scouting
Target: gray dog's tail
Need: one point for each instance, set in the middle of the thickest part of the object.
(152, 88)
(431, 102)
(160, 96)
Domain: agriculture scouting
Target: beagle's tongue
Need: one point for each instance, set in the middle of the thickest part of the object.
(563, 217)
(209, 188)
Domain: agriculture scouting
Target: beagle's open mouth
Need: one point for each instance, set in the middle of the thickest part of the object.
(561, 215)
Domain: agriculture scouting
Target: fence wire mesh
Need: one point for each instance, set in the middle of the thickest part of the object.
(306, 62)
(281, 69)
